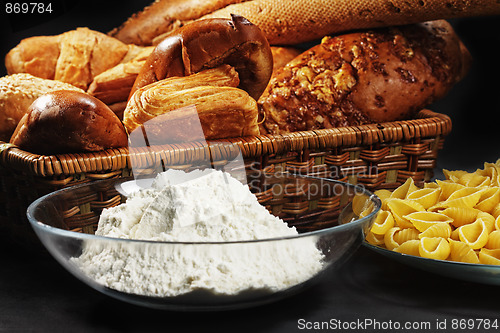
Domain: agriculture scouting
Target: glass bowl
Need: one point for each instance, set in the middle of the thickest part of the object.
(331, 217)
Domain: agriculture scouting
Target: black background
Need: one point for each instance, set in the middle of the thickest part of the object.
(36, 294)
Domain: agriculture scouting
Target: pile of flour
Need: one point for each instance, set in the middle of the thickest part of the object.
(201, 206)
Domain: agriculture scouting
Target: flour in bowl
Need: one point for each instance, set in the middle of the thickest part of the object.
(201, 206)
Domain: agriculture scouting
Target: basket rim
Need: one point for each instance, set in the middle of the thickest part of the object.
(426, 124)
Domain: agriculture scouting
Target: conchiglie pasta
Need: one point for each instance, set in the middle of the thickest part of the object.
(461, 215)
(490, 197)
(439, 229)
(434, 248)
(454, 219)
(493, 240)
(402, 191)
(362, 205)
(489, 257)
(383, 222)
(465, 197)
(427, 197)
(423, 220)
(384, 196)
(474, 234)
(462, 252)
(375, 239)
(400, 208)
(397, 236)
(409, 247)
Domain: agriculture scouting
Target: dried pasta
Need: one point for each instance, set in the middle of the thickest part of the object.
(456, 219)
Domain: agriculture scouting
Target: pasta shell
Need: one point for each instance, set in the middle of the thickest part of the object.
(423, 220)
(431, 185)
(375, 239)
(493, 240)
(383, 222)
(488, 219)
(490, 197)
(403, 190)
(455, 235)
(462, 252)
(454, 175)
(362, 205)
(461, 215)
(399, 208)
(434, 248)
(465, 197)
(448, 188)
(409, 247)
(427, 197)
(492, 171)
(384, 196)
(497, 223)
(474, 234)
(489, 257)
(397, 236)
(439, 229)
(496, 211)
(474, 179)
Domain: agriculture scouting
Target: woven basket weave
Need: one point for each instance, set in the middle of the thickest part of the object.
(375, 156)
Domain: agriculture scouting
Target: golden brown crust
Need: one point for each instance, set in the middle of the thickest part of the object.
(208, 44)
(372, 76)
(66, 121)
(17, 92)
(170, 109)
(114, 85)
(74, 57)
(163, 16)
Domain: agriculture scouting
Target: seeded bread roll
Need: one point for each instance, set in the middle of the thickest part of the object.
(66, 121)
(364, 77)
(17, 92)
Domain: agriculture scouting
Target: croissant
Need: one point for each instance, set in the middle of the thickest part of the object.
(170, 109)
(73, 57)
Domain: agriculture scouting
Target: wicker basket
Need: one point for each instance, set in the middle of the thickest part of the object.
(376, 156)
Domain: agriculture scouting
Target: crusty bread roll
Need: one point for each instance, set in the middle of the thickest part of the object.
(17, 93)
(371, 76)
(208, 44)
(67, 121)
(74, 57)
(171, 109)
(163, 16)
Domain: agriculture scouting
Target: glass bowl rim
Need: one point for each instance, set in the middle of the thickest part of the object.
(38, 225)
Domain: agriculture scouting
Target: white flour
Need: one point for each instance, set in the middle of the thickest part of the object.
(213, 207)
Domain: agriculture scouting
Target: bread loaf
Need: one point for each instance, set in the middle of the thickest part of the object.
(371, 76)
(17, 93)
(74, 57)
(208, 44)
(66, 121)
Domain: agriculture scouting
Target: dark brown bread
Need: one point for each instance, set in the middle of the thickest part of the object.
(209, 44)
(371, 76)
(66, 121)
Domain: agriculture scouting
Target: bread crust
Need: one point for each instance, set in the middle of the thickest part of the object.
(208, 44)
(17, 93)
(364, 77)
(66, 121)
